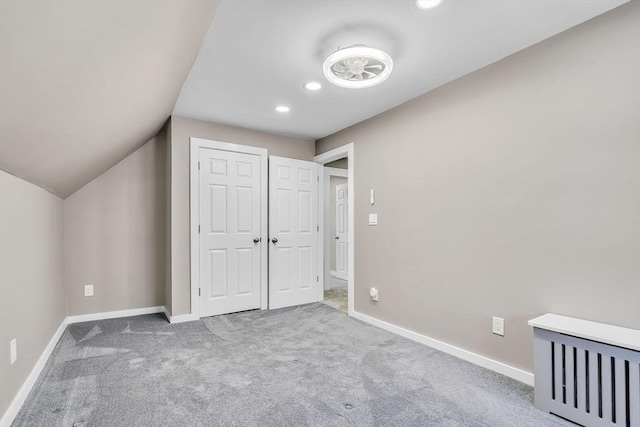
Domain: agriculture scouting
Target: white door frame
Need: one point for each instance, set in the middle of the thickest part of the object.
(195, 145)
(324, 158)
(326, 190)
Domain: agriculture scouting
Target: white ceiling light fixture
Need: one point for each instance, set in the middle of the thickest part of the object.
(428, 4)
(312, 86)
(282, 109)
(357, 67)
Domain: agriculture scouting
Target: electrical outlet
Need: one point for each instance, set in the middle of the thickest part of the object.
(498, 326)
(373, 219)
(14, 350)
(88, 290)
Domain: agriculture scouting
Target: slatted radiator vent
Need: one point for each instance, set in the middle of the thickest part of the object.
(587, 372)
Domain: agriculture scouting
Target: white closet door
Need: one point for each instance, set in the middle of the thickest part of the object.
(230, 245)
(341, 231)
(293, 230)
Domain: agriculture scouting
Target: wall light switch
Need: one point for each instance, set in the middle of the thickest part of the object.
(14, 350)
(498, 326)
(372, 196)
(373, 219)
(88, 290)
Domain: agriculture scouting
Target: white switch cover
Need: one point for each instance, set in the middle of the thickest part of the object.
(498, 326)
(88, 290)
(14, 350)
(373, 219)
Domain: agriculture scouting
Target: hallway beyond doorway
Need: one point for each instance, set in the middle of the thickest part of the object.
(336, 295)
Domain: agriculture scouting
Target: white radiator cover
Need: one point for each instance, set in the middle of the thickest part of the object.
(592, 381)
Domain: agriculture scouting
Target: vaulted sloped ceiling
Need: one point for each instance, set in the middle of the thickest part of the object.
(84, 83)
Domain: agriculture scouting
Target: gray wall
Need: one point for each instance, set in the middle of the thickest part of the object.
(32, 304)
(115, 235)
(333, 181)
(182, 129)
(513, 191)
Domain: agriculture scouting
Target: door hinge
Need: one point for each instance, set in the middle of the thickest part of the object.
(198, 228)
(318, 228)
(199, 292)
(318, 178)
(198, 165)
(317, 278)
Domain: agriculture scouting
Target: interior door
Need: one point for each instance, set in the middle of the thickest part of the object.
(293, 232)
(230, 244)
(341, 231)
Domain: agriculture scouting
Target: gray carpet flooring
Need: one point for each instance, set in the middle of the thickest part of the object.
(305, 366)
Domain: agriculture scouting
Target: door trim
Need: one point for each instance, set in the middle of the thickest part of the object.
(194, 146)
(324, 158)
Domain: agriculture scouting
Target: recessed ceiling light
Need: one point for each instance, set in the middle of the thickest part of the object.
(282, 109)
(428, 4)
(357, 67)
(312, 86)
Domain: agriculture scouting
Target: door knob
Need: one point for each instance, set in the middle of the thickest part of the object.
(337, 238)
(274, 240)
(256, 240)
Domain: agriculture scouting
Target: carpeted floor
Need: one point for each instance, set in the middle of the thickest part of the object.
(304, 366)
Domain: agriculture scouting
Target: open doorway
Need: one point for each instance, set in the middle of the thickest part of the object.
(336, 234)
(338, 162)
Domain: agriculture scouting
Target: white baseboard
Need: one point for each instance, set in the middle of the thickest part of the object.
(183, 318)
(167, 314)
(180, 318)
(22, 394)
(114, 314)
(338, 275)
(485, 362)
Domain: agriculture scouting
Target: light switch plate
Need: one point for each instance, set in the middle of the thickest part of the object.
(498, 326)
(373, 219)
(14, 350)
(88, 290)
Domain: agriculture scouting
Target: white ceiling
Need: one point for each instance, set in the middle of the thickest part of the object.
(84, 83)
(258, 54)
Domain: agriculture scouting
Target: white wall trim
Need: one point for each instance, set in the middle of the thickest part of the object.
(22, 394)
(476, 359)
(167, 313)
(182, 318)
(324, 158)
(344, 173)
(114, 314)
(195, 145)
(28, 384)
